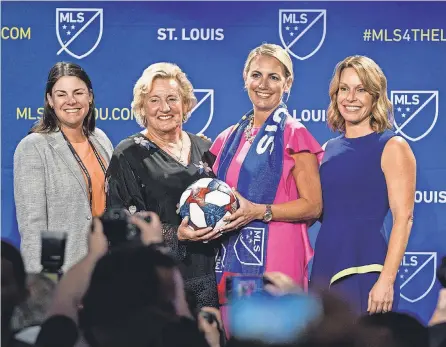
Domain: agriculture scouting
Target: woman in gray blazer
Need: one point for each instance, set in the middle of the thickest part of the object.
(59, 168)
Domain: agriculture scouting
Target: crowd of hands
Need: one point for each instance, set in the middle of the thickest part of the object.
(336, 320)
(151, 233)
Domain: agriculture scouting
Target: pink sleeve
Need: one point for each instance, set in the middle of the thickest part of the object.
(299, 139)
(219, 142)
(217, 146)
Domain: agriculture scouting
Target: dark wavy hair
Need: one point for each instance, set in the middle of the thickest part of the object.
(49, 121)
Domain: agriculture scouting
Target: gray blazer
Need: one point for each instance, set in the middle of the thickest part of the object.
(51, 194)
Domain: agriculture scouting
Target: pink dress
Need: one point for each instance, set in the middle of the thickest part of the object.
(288, 247)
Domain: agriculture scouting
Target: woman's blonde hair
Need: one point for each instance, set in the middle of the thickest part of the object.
(145, 82)
(274, 51)
(374, 82)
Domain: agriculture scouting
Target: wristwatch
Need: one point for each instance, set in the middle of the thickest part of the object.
(268, 215)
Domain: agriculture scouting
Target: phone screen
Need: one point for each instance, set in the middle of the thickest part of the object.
(272, 319)
(243, 286)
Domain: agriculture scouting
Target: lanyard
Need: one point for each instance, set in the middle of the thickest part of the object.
(83, 167)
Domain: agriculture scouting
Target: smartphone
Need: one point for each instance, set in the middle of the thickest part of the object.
(241, 286)
(273, 319)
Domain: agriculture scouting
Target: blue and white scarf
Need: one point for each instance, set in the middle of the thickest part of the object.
(244, 252)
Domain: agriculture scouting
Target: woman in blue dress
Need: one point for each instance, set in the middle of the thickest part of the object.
(364, 172)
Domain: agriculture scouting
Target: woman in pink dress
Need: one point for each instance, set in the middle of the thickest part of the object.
(271, 160)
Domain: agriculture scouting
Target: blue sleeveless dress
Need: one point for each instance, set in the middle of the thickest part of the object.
(350, 248)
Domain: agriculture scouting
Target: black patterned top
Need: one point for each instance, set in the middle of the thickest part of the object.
(143, 177)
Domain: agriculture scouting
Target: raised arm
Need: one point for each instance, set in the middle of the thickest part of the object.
(73, 285)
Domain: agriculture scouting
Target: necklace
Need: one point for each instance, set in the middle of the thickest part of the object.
(165, 148)
(178, 157)
(248, 130)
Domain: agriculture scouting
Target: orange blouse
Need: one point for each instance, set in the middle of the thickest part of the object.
(85, 152)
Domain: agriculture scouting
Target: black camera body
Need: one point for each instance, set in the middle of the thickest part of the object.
(53, 252)
(210, 317)
(118, 230)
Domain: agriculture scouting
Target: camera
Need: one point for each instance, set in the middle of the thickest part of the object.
(118, 230)
(441, 272)
(243, 286)
(53, 253)
(210, 317)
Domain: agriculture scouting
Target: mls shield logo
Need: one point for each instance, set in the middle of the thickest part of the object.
(202, 113)
(220, 259)
(250, 246)
(302, 32)
(79, 30)
(416, 112)
(416, 275)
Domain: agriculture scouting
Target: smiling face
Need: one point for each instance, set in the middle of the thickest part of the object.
(70, 99)
(163, 106)
(353, 101)
(266, 82)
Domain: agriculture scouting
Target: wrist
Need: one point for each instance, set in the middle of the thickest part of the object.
(92, 258)
(387, 278)
(180, 236)
(261, 209)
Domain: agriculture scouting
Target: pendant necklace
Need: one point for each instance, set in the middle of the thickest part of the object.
(248, 131)
(178, 157)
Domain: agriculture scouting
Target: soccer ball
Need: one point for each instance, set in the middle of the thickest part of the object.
(206, 202)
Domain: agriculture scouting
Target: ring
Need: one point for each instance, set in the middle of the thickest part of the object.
(220, 233)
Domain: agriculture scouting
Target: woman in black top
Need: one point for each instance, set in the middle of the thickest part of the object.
(150, 170)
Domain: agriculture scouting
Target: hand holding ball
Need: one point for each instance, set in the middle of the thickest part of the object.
(207, 202)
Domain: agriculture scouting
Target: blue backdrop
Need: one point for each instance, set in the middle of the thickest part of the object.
(115, 41)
